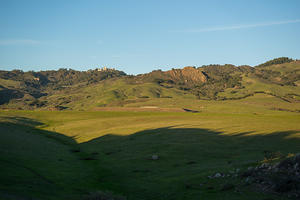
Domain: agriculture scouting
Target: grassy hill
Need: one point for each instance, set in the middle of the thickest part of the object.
(74, 90)
(280, 80)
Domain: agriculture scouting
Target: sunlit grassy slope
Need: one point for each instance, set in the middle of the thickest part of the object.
(285, 67)
(113, 93)
(24, 91)
(64, 155)
(126, 92)
(251, 84)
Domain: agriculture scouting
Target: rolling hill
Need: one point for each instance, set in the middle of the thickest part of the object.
(75, 90)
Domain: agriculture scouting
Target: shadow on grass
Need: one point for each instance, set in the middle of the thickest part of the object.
(185, 155)
(200, 139)
(21, 121)
(34, 162)
(123, 163)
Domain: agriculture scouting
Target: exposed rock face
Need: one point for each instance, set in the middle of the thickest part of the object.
(187, 74)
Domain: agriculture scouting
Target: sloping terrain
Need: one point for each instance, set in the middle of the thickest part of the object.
(23, 90)
(280, 80)
(74, 90)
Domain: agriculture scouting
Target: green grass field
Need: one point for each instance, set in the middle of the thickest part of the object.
(67, 154)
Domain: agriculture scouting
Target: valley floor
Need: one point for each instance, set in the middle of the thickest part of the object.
(67, 154)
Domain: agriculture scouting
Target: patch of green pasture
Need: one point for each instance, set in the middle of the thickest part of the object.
(191, 146)
(258, 103)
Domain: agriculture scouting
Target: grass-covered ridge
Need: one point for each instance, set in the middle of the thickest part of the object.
(75, 90)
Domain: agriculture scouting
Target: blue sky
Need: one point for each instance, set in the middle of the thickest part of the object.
(138, 36)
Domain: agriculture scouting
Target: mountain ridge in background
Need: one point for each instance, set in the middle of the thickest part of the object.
(84, 90)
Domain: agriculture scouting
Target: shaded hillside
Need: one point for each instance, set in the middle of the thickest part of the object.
(71, 89)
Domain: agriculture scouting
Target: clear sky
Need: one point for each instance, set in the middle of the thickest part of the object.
(138, 36)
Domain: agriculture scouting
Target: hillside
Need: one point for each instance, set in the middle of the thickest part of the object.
(75, 90)
(24, 90)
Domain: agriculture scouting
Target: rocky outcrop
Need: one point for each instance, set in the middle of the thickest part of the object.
(187, 75)
(280, 178)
